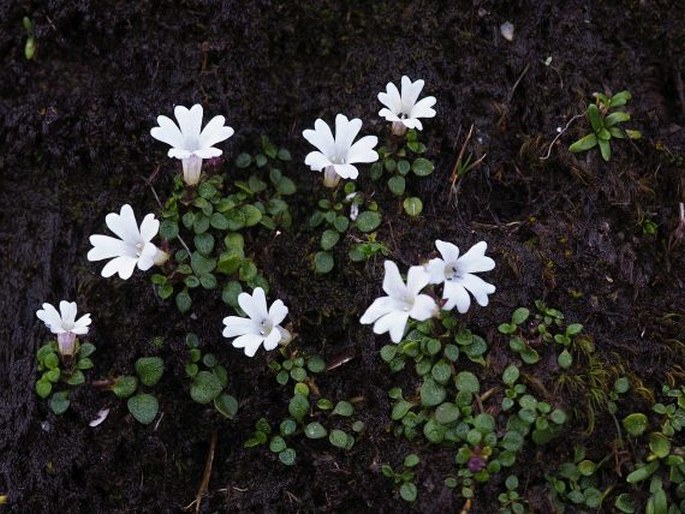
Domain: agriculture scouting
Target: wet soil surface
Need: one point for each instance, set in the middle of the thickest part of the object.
(74, 133)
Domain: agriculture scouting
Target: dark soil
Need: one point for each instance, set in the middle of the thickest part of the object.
(75, 145)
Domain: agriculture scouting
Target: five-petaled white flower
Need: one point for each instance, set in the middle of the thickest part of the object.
(337, 154)
(187, 142)
(391, 313)
(132, 249)
(403, 110)
(64, 324)
(456, 273)
(261, 326)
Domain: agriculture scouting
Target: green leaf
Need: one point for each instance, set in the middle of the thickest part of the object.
(86, 350)
(339, 439)
(397, 185)
(149, 370)
(230, 260)
(287, 456)
(316, 364)
(323, 262)
(341, 224)
(59, 403)
(447, 413)
(408, 491)
(616, 117)
(43, 388)
(441, 372)
(191, 281)
(252, 215)
(143, 407)
(168, 230)
(329, 239)
(243, 160)
(520, 315)
(260, 160)
(125, 386)
(411, 460)
(412, 206)
(51, 361)
(510, 375)
(315, 430)
(283, 155)
(76, 378)
(642, 473)
(422, 167)
(200, 224)
(344, 408)
(659, 444)
(403, 166)
(230, 293)
(277, 444)
(605, 149)
(288, 427)
(624, 503)
(248, 271)
(432, 393)
(218, 221)
(368, 221)
(584, 143)
(226, 405)
(206, 190)
(400, 409)
(434, 432)
(208, 281)
(634, 134)
(565, 360)
(298, 407)
(183, 301)
(595, 118)
(205, 387)
(467, 382)
(286, 186)
(200, 264)
(256, 185)
(235, 219)
(620, 99)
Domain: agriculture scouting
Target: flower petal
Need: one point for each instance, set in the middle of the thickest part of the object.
(277, 312)
(52, 319)
(254, 305)
(124, 224)
(423, 108)
(346, 170)
(410, 93)
(208, 153)
(189, 120)
(215, 132)
(424, 308)
(321, 137)
(389, 115)
(345, 132)
(478, 287)
(167, 132)
(380, 307)
(392, 281)
(417, 279)
(68, 312)
(106, 247)
(271, 341)
(179, 153)
(455, 294)
(394, 322)
(149, 227)
(81, 325)
(236, 326)
(448, 251)
(475, 261)
(363, 150)
(392, 99)
(436, 269)
(317, 161)
(146, 259)
(250, 342)
(123, 265)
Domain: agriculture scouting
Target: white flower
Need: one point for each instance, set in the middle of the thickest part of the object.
(337, 154)
(403, 110)
(187, 142)
(64, 324)
(261, 327)
(132, 249)
(391, 313)
(457, 275)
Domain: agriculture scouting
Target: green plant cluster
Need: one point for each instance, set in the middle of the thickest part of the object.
(510, 501)
(310, 414)
(331, 216)
(449, 406)
(142, 405)
(399, 158)
(577, 483)
(56, 369)
(660, 456)
(404, 478)
(208, 379)
(208, 222)
(605, 118)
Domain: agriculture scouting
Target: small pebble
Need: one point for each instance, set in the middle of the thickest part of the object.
(507, 30)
